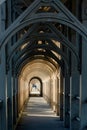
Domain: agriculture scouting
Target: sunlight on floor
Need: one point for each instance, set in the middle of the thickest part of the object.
(37, 106)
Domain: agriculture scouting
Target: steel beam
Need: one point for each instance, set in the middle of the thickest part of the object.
(2, 1)
(3, 90)
(3, 76)
(83, 85)
(29, 59)
(48, 47)
(62, 40)
(32, 53)
(22, 22)
(66, 100)
(29, 55)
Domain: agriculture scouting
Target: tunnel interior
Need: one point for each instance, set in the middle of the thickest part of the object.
(45, 76)
(42, 55)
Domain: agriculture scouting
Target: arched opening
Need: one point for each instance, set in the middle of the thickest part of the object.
(35, 87)
(40, 60)
(44, 75)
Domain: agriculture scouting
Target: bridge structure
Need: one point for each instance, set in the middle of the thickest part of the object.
(44, 41)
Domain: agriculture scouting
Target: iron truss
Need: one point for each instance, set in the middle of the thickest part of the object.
(38, 20)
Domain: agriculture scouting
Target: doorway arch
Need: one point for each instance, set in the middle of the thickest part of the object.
(35, 87)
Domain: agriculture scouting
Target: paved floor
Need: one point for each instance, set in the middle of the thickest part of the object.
(39, 116)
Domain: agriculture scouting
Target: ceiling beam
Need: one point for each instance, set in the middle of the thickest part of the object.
(2, 1)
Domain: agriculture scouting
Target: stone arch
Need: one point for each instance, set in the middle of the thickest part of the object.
(27, 59)
(41, 84)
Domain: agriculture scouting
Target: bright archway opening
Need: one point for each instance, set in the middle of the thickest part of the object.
(35, 87)
(40, 78)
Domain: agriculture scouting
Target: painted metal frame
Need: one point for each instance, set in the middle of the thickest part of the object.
(21, 22)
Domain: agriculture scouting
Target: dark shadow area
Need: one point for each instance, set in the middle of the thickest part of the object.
(40, 123)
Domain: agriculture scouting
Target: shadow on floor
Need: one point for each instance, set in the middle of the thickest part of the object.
(39, 116)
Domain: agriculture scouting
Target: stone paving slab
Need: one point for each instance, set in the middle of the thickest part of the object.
(39, 116)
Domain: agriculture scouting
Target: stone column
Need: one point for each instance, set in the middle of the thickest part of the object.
(61, 96)
(58, 97)
(15, 85)
(55, 94)
(51, 91)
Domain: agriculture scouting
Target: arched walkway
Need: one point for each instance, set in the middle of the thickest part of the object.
(43, 47)
(38, 115)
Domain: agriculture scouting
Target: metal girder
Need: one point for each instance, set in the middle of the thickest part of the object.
(45, 37)
(18, 10)
(38, 55)
(33, 48)
(29, 59)
(30, 47)
(17, 22)
(39, 37)
(48, 17)
(43, 46)
(63, 40)
(59, 37)
(60, 52)
(20, 23)
(15, 46)
(34, 53)
(31, 54)
(2, 1)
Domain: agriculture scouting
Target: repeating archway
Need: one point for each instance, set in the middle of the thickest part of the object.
(28, 20)
(25, 20)
(27, 59)
(47, 37)
(22, 22)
